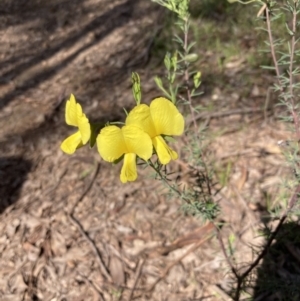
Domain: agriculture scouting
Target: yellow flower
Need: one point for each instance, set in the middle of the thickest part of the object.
(161, 118)
(130, 141)
(75, 117)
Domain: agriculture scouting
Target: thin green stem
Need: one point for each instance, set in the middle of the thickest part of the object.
(163, 178)
(291, 67)
(293, 43)
(272, 48)
(186, 71)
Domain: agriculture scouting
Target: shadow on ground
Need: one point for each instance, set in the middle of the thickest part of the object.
(13, 173)
(278, 277)
(41, 25)
(51, 49)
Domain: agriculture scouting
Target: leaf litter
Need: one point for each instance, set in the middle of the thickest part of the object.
(147, 247)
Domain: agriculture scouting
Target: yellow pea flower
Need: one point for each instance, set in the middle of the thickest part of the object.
(114, 142)
(160, 118)
(75, 117)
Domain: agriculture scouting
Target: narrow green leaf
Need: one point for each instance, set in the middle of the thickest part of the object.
(196, 78)
(158, 82)
(290, 32)
(167, 61)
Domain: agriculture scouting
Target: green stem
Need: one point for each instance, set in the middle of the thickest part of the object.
(164, 179)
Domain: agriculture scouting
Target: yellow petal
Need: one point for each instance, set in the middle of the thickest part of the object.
(140, 116)
(111, 144)
(137, 141)
(84, 128)
(71, 111)
(164, 152)
(166, 117)
(70, 144)
(128, 172)
(76, 117)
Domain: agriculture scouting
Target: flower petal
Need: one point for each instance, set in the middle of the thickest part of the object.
(71, 111)
(140, 116)
(84, 128)
(128, 172)
(110, 143)
(70, 144)
(164, 152)
(137, 141)
(166, 117)
(113, 142)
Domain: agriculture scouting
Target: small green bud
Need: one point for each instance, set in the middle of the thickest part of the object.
(197, 81)
(167, 61)
(191, 57)
(158, 82)
(174, 61)
(136, 87)
(172, 78)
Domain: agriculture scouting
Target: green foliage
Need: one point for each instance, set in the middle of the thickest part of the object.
(204, 210)
(281, 25)
(181, 83)
(180, 7)
(178, 64)
(287, 85)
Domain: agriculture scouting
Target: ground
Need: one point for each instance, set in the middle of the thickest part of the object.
(69, 229)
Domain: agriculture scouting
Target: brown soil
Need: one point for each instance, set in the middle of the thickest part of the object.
(69, 230)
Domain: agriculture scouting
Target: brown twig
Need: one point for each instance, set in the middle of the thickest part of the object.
(220, 291)
(136, 278)
(221, 243)
(100, 261)
(87, 189)
(93, 286)
(78, 225)
(227, 113)
(171, 265)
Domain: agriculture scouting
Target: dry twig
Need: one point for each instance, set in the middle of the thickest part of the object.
(172, 264)
(136, 278)
(227, 113)
(94, 287)
(78, 225)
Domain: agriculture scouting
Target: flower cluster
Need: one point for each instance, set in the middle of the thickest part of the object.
(142, 135)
